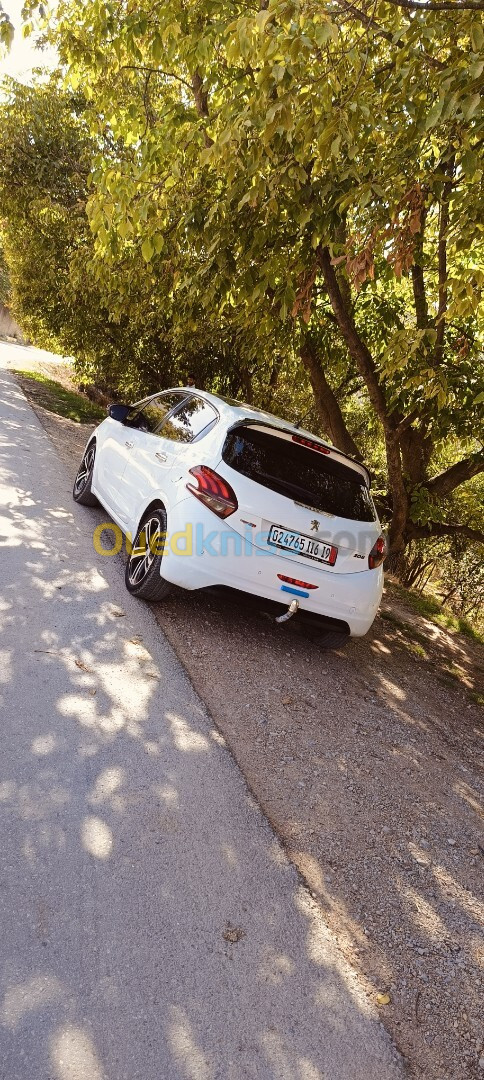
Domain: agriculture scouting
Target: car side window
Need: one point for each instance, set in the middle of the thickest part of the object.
(189, 421)
(149, 415)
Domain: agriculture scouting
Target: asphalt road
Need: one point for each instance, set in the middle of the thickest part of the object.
(151, 926)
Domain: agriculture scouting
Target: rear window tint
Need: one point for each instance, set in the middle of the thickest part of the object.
(303, 475)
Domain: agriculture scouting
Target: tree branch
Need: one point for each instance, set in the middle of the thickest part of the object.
(157, 71)
(371, 24)
(419, 294)
(201, 103)
(439, 528)
(441, 5)
(407, 421)
(201, 99)
(442, 263)
(447, 481)
(367, 21)
(326, 402)
(357, 348)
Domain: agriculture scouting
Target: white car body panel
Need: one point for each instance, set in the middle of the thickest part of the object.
(135, 470)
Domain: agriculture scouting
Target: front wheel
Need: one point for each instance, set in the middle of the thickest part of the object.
(143, 569)
(81, 491)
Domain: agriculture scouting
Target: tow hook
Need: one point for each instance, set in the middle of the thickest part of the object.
(293, 607)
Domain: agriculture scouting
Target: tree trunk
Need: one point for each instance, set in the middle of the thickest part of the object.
(400, 498)
(245, 381)
(416, 449)
(365, 364)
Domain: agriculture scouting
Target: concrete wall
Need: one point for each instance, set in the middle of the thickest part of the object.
(8, 326)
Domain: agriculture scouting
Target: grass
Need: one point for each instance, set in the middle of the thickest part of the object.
(432, 610)
(414, 639)
(55, 398)
(416, 649)
(453, 672)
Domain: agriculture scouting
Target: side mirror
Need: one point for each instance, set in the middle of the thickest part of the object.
(119, 412)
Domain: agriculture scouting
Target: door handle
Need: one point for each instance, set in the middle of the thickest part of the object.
(129, 445)
(161, 457)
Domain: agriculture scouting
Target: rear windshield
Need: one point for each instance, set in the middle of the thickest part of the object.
(303, 475)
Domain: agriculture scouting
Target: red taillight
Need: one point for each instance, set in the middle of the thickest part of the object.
(295, 581)
(377, 553)
(213, 490)
(312, 445)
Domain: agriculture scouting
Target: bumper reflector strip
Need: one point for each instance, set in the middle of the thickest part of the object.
(296, 592)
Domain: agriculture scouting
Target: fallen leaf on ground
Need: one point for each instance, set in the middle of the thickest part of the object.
(82, 666)
(233, 933)
(383, 999)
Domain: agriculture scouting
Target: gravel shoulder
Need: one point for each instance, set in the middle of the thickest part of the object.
(366, 762)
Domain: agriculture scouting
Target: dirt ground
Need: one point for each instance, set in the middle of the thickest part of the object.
(366, 761)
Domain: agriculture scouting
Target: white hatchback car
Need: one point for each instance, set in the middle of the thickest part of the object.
(216, 493)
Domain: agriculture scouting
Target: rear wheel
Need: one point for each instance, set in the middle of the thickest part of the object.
(143, 569)
(81, 491)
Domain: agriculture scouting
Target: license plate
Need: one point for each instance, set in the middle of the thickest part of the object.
(302, 545)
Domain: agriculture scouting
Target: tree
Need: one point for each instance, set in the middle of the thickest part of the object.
(121, 338)
(4, 280)
(310, 168)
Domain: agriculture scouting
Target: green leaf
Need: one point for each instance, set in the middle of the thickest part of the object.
(470, 162)
(6, 29)
(157, 47)
(470, 106)
(477, 37)
(434, 113)
(323, 33)
(147, 249)
(305, 216)
(262, 18)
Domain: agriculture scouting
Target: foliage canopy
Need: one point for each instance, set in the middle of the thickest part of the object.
(294, 190)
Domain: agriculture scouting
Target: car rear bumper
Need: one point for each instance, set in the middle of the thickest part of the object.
(203, 551)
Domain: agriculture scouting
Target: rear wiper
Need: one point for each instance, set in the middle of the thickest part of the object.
(293, 489)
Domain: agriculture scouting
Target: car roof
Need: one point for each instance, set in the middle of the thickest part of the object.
(239, 410)
(232, 411)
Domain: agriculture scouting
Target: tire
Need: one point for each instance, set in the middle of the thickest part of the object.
(81, 492)
(142, 576)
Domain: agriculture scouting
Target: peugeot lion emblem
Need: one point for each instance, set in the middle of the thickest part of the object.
(315, 525)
